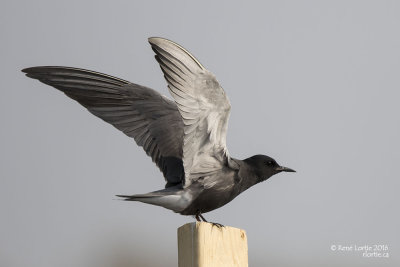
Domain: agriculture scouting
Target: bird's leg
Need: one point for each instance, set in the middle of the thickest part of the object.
(197, 217)
(201, 216)
(213, 224)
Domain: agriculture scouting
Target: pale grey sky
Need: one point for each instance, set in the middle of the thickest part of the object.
(319, 78)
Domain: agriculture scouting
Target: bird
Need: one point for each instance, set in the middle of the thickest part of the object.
(185, 136)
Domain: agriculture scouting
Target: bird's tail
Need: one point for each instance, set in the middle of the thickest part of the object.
(167, 198)
(135, 197)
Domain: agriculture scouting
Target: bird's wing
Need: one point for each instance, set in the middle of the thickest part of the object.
(151, 119)
(202, 104)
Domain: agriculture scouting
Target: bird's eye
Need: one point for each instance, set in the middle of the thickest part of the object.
(270, 163)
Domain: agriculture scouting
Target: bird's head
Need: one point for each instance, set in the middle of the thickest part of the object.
(264, 166)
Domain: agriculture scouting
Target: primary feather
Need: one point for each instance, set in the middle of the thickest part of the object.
(203, 105)
(150, 118)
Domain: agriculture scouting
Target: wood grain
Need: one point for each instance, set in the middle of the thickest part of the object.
(201, 244)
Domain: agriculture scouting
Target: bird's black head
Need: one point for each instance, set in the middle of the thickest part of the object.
(264, 166)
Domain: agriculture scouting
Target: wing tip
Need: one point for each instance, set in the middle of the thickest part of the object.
(163, 43)
(157, 40)
(37, 69)
(34, 72)
(32, 69)
(26, 70)
(31, 72)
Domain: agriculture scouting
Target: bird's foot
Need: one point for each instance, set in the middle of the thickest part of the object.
(200, 218)
(218, 225)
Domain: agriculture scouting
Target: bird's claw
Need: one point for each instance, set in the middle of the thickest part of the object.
(218, 225)
(200, 218)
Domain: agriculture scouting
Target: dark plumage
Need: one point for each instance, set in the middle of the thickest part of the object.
(185, 137)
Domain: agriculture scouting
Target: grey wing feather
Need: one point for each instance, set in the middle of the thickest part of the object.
(151, 119)
(203, 105)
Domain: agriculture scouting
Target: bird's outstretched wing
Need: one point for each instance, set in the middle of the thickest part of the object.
(202, 104)
(151, 119)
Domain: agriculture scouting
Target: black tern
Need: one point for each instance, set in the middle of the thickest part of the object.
(185, 137)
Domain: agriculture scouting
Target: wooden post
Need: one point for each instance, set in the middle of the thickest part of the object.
(201, 244)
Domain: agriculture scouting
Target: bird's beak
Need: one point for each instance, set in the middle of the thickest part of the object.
(284, 169)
